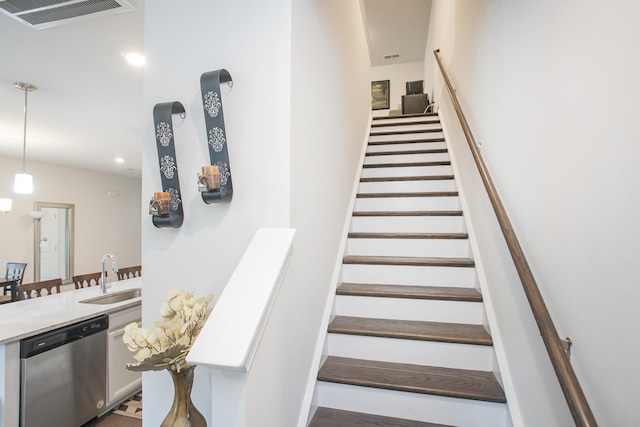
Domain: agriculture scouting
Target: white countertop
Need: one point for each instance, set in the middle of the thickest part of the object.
(23, 319)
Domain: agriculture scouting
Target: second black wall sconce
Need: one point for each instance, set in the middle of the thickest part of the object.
(216, 140)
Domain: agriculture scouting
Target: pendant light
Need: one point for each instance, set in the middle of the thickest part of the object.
(5, 205)
(24, 182)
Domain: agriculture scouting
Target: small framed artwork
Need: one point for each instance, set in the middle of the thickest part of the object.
(380, 95)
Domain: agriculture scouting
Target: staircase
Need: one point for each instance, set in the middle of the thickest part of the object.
(406, 346)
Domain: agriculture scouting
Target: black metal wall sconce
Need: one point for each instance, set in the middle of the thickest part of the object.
(166, 206)
(214, 183)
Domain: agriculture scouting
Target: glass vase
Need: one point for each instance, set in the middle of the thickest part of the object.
(183, 413)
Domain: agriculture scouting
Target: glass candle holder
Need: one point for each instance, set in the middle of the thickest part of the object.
(209, 179)
(160, 203)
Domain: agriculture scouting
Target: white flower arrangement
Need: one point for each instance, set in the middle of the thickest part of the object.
(167, 344)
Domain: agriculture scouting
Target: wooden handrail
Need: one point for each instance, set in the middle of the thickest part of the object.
(578, 405)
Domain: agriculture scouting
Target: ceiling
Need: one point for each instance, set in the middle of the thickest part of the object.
(397, 27)
(88, 107)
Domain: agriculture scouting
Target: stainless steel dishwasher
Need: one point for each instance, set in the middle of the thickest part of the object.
(63, 375)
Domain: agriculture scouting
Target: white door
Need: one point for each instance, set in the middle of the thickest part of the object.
(50, 244)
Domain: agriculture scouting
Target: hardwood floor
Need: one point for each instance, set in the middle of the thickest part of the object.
(114, 420)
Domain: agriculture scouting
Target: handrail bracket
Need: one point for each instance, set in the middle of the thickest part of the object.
(566, 346)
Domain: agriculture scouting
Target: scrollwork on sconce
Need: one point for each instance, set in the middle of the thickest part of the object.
(216, 135)
(163, 216)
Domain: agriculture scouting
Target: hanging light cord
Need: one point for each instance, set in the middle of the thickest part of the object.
(24, 139)
(27, 88)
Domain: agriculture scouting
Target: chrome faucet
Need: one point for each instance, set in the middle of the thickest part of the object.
(103, 277)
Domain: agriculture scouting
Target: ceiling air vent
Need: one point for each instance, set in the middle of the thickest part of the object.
(48, 13)
(392, 56)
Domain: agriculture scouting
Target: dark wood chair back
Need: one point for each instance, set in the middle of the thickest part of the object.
(14, 270)
(36, 289)
(129, 272)
(86, 280)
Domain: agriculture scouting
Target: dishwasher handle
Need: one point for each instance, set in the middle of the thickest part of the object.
(49, 340)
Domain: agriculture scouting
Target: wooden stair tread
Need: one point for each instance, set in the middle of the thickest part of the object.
(410, 291)
(450, 382)
(404, 141)
(443, 236)
(415, 261)
(408, 178)
(407, 164)
(406, 213)
(417, 122)
(330, 417)
(458, 333)
(405, 152)
(405, 132)
(404, 116)
(407, 194)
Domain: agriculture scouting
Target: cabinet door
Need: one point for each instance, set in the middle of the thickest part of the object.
(122, 382)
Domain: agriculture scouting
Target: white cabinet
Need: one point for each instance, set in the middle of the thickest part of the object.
(120, 381)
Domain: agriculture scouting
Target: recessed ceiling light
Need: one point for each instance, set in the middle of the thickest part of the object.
(119, 160)
(134, 58)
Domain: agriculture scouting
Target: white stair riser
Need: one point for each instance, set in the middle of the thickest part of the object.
(421, 407)
(430, 353)
(415, 132)
(462, 277)
(405, 120)
(406, 137)
(407, 204)
(408, 224)
(391, 127)
(453, 248)
(406, 146)
(408, 186)
(406, 171)
(406, 158)
(409, 309)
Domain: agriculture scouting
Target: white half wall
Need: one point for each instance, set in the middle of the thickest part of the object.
(103, 224)
(398, 75)
(549, 91)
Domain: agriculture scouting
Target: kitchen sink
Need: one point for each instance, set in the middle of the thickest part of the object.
(114, 297)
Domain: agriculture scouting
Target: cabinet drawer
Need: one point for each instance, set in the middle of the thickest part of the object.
(122, 318)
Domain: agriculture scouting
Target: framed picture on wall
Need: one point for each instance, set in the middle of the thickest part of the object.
(380, 95)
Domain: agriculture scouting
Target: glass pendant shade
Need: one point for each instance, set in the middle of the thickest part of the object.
(5, 205)
(23, 183)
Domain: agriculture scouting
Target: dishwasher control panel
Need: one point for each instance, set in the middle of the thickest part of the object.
(58, 337)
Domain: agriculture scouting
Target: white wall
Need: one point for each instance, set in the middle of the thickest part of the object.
(398, 75)
(328, 124)
(290, 114)
(549, 91)
(252, 41)
(103, 224)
